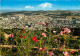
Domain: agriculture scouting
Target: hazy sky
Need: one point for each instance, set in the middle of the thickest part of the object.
(40, 4)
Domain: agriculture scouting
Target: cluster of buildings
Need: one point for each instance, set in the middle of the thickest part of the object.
(31, 21)
(69, 21)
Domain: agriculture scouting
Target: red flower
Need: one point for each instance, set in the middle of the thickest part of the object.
(23, 27)
(23, 36)
(39, 23)
(78, 49)
(41, 49)
(20, 35)
(47, 23)
(23, 31)
(72, 52)
(34, 39)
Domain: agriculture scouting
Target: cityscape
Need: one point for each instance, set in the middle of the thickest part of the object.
(39, 27)
(30, 19)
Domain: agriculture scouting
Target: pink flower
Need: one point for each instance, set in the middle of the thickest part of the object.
(67, 31)
(43, 23)
(43, 34)
(62, 32)
(41, 49)
(66, 53)
(64, 28)
(11, 35)
(50, 53)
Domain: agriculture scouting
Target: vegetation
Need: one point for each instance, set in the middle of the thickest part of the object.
(34, 43)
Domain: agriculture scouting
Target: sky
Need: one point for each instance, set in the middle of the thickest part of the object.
(39, 4)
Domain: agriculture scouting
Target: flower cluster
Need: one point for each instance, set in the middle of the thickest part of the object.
(34, 39)
(23, 33)
(66, 30)
(46, 24)
(50, 53)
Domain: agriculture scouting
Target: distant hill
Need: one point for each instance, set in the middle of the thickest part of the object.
(4, 11)
(11, 10)
(50, 13)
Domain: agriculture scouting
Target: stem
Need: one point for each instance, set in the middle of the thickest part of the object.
(40, 41)
(21, 40)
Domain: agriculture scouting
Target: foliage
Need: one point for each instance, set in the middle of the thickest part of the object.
(26, 45)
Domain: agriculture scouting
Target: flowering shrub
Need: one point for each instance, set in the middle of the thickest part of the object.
(59, 42)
